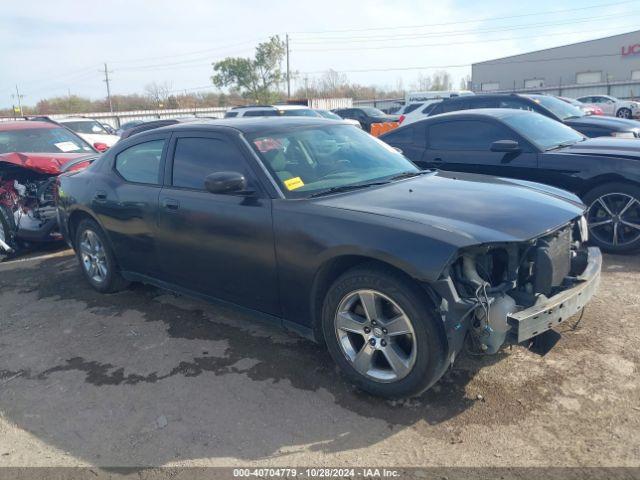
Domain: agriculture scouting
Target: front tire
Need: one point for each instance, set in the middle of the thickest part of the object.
(97, 261)
(623, 113)
(381, 331)
(6, 229)
(614, 217)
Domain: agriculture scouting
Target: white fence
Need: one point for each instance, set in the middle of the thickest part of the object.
(116, 119)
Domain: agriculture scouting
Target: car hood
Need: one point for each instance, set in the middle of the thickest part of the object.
(108, 140)
(605, 146)
(473, 208)
(388, 118)
(613, 123)
(47, 163)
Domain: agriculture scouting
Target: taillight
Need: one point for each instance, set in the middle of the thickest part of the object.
(401, 119)
(101, 147)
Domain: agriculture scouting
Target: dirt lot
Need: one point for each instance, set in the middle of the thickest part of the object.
(144, 377)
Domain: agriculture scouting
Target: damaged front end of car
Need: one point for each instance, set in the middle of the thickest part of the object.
(27, 205)
(501, 293)
(28, 211)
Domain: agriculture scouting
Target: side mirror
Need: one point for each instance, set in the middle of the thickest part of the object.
(226, 183)
(507, 146)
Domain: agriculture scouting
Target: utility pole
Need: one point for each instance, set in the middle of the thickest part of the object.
(106, 80)
(288, 73)
(19, 98)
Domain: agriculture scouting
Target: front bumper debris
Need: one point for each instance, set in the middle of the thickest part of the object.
(551, 312)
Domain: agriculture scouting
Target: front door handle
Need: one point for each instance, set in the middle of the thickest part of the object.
(170, 204)
(437, 160)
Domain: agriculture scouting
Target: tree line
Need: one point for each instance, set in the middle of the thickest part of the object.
(241, 81)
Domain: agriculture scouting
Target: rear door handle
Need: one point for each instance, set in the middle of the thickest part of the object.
(100, 196)
(170, 204)
(438, 160)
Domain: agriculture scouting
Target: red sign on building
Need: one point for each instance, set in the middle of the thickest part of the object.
(631, 50)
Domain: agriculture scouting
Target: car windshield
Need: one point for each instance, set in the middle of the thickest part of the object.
(561, 109)
(314, 160)
(300, 112)
(84, 126)
(373, 112)
(328, 114)
(50, 140)
(542, 131)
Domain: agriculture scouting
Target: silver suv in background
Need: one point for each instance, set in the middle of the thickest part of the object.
(271, 111)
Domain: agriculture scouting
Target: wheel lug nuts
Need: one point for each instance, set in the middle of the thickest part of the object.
(384, 330)
(372, 342)
(383, 343)
(373, 322)
(367, 330)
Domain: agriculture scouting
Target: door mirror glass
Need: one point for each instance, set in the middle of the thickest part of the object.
(225, 183)
(505, 146)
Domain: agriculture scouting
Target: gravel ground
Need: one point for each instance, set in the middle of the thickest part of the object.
(145, 377)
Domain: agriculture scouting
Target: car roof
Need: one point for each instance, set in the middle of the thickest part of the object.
(26, 125)
(498, 113)
(74, 119)
(255, 124)
(274, 107)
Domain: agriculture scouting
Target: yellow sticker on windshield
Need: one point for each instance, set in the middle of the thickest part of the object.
(294, 183)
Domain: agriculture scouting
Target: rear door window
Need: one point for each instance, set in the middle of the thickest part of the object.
(466, 135)
(514, 103)
(141, 163)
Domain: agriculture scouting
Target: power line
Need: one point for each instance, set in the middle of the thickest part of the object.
(186, 54)
(458, 32)
(391, 47)
(486, 19)
(460, 65)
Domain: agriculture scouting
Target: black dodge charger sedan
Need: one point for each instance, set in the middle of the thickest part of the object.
(324, 229)
(549, 106)
(604, 172)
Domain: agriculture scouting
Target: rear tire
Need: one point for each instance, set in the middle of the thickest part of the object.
(623, 113)
(97, 261)
(614, 217)
(395, 350)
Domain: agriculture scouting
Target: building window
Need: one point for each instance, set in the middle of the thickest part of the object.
(534, 83)
(488, 87)
(589, 77)
(635, 75)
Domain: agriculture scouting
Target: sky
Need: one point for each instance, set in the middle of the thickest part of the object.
(53, 48)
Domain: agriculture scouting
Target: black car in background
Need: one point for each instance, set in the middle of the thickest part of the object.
(153, 124)
(549, 106)
(366, 116)
(322, 228)
(603, 172)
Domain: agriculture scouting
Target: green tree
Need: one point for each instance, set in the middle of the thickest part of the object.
(256, 78)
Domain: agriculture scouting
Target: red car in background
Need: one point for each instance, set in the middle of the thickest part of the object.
(32, 155)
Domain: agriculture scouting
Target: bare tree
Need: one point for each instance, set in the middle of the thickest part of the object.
(333, 84)
(465, 82)
(441, 81)
(158, 92)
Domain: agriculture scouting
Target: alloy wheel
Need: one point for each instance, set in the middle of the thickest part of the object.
(624, 113)
(614, 219)
(94, 260)
(376, 336)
